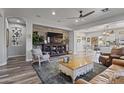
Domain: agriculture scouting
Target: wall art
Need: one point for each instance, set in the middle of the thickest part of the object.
(16, 36)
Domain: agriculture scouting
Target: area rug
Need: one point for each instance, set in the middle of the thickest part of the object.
(50, 74)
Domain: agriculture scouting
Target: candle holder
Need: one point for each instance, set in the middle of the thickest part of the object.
(66, 59)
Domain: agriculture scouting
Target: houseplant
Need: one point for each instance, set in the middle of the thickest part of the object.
(37, 39)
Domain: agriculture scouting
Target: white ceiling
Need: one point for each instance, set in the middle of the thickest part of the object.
(58, 20)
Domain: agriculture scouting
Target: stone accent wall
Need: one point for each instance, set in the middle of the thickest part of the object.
(42, 30)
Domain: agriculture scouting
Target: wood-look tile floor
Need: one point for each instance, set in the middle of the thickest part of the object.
(17, 71)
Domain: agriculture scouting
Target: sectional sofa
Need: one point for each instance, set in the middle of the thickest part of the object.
(113, 74)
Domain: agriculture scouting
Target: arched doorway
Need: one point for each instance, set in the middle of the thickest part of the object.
(16, 38)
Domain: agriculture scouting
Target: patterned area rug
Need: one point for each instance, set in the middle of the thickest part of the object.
(50, 74)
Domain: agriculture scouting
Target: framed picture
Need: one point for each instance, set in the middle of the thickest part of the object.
(78, 40)
(15, 36)
(94, 40)
(88, 39)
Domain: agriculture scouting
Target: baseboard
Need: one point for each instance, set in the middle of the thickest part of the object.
(28, 60)
(16, 56)
(2, 64)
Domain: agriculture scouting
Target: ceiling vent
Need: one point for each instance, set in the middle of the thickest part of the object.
(105, 10)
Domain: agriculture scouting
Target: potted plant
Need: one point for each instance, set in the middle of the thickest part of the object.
(37, 39)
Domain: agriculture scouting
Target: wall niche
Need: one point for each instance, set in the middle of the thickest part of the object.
(55, 41)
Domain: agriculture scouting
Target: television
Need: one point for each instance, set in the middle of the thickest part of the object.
(55, 37)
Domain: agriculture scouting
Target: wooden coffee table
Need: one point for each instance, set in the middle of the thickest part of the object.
(77, 65)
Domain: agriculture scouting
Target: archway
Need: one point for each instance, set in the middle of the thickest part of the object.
(16, 38)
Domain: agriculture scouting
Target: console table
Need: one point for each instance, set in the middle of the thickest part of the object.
(54, 49)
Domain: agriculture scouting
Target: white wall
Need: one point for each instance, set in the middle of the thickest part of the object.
(3, 60)
(93, 34)
(79, 47)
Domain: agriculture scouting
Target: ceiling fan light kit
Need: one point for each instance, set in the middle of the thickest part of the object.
(107, 32)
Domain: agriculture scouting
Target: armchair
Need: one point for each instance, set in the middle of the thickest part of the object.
(38, 55)
(106, 58)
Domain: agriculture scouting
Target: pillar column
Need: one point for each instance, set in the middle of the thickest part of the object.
(28, 40)
(3, 57)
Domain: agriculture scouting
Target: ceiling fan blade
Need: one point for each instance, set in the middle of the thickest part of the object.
(88, 14)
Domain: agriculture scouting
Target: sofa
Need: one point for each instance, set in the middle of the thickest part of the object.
(106, 58)
(112, 75)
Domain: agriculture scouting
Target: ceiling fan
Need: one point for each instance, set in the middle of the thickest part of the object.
(82, 15)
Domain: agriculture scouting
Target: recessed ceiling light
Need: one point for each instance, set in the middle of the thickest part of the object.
(18, 21)
(53, 13)
(76, 20)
